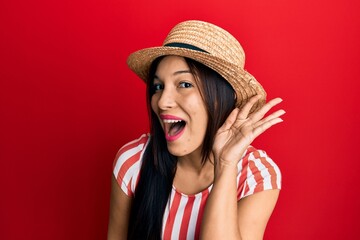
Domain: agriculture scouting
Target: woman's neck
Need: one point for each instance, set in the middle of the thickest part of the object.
(192, 176)
(194, 162)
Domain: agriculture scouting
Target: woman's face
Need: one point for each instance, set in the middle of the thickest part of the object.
(179, 106)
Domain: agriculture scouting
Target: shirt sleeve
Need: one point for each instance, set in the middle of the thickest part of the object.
(127, 164)
(257, 172)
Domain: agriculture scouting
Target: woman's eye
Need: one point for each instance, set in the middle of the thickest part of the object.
(157, 87)
(185, 85)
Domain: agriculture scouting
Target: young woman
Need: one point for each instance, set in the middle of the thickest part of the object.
(196, 176)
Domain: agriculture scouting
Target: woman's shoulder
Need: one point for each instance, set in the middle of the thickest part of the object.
(257, 159)
(252, 153)
(257, 172)
(127, 163)
(134, 145)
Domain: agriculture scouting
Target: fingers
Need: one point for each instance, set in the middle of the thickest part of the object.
(256, 121)
(230, 120)
(238, 117)
(243, 114)
(256, 116)
(265, 126)
(274, 115)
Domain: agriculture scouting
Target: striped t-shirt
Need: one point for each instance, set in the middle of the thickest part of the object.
(183, 213)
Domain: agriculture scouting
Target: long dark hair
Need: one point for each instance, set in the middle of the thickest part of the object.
(159, 166)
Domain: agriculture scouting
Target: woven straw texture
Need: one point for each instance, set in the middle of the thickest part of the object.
(224, 54)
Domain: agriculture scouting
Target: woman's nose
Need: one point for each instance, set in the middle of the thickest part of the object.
(167, 99)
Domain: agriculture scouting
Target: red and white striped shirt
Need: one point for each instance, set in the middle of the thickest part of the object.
(183, 213)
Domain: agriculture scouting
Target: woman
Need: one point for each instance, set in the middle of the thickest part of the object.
(196, 176)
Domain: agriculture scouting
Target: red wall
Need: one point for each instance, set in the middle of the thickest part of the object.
(68, 102)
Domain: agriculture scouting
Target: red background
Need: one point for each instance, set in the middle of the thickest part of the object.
(68, 102)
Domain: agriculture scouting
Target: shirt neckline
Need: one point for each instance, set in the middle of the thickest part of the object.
(205, 191)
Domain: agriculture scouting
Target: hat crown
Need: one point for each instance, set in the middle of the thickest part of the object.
(210, 45)
(210, 38)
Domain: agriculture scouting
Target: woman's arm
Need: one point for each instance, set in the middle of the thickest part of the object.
(227, 218)
(220, 220)
(224, 217)
(120, 205)
(254, 212)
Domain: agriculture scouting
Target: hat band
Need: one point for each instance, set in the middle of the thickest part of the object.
(185, 45)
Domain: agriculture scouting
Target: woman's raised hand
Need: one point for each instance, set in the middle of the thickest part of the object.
(241, 128)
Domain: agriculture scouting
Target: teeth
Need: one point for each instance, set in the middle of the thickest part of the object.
(171, 121)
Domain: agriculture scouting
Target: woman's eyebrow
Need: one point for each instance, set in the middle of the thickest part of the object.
(181, 72)
(175, 73)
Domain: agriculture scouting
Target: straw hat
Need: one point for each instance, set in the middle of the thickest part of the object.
(209, 45)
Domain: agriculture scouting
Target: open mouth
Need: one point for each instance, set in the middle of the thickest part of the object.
(173, 128)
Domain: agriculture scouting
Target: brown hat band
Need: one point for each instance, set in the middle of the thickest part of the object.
(184, 45)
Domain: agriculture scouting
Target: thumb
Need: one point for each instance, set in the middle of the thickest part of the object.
(230, 120)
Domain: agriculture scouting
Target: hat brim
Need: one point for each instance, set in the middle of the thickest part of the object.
(244, 84)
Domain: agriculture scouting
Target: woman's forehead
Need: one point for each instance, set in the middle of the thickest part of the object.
(171, 66)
